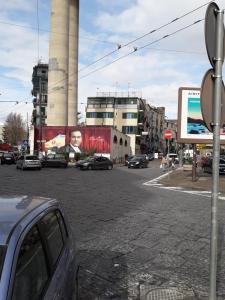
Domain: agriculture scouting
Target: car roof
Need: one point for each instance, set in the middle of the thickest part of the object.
(15, 208)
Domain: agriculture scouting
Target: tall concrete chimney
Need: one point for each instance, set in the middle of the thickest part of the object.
(63, 63)
(58, 64)
(73, 62)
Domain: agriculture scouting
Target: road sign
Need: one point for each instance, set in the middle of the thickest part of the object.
(168, 134)
(207, 100)
(210, 32)
(25, 142)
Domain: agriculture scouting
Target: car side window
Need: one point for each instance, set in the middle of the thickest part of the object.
(53, 235)
(62, 225)
(31, 273)
(104, 159)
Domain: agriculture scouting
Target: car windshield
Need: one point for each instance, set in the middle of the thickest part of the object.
(90, 158)
(8, 155)
(59, 156)
(2, 257)
(31, 157)
(136, 158)
(173, 155)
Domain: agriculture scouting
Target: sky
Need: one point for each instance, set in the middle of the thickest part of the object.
(155, 72)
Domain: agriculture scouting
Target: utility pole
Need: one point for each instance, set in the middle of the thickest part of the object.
(27, 133)
(40, 118)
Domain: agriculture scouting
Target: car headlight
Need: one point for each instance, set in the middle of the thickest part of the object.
(85, 164)
(137, 163)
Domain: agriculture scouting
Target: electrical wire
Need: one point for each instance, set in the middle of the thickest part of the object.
(141, 48)
(129, 43)
(177, 51)
(49, 31)
(144, 35)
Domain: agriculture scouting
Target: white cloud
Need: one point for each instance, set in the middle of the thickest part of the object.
(157, 74)
(19, 5)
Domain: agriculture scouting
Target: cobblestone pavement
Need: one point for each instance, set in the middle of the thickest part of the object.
(130, 237)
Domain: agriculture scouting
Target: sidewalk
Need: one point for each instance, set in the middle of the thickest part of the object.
(183, 179)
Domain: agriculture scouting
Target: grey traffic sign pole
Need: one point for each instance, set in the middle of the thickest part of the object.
(216, 149)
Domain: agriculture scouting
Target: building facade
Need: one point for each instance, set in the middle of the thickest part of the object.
(171, 124)
(1, 133)
(40, 94)
(143, 123)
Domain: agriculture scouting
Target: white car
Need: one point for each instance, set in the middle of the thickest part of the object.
(172, 157)
(28, 162)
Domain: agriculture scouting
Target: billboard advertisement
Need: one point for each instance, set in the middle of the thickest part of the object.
(191, 126)
(74, 140)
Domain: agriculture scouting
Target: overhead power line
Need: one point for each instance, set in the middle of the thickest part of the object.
(49, 31)
(177, 51)
(144, 35)
(129, 43)
(141, 48)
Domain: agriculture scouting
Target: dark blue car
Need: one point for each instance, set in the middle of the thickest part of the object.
(37, 258)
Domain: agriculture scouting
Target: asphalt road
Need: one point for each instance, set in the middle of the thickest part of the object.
(131, 238)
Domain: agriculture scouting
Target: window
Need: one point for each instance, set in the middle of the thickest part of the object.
(129, 129)
(62, 225)
(129, 115)
(53, 235)
(31, 271)
(107, 115)
(43, 111)
(115, 139)
(126, 143)
(91, 115)
(100, 115)
(121, 141)
(2, 257)
(126, 101)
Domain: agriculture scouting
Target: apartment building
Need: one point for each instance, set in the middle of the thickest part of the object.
(130, 115)
(40, 93)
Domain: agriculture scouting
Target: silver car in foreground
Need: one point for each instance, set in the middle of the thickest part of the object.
(28, 162)
(37, 255)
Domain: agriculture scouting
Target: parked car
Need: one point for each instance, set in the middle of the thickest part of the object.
(37, 256)
(97, 163)
(172, 157)
(54, 160)
(28, 162)
(151, 156)
(82, 161)
(128, 158)
(7, 158)
(207, 168)
(138, 162)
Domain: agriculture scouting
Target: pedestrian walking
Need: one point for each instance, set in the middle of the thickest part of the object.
(164, 163)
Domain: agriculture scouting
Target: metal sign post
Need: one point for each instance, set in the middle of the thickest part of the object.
(218, 59)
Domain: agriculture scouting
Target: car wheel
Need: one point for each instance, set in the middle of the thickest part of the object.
(110, 167)
(89, 167)
(17, 167)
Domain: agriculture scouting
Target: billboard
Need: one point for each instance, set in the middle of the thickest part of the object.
(74, 140)
(191, 126)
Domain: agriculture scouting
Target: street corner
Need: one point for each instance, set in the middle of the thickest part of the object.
(182, 181)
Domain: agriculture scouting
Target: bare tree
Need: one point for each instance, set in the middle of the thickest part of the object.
(14, 129)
